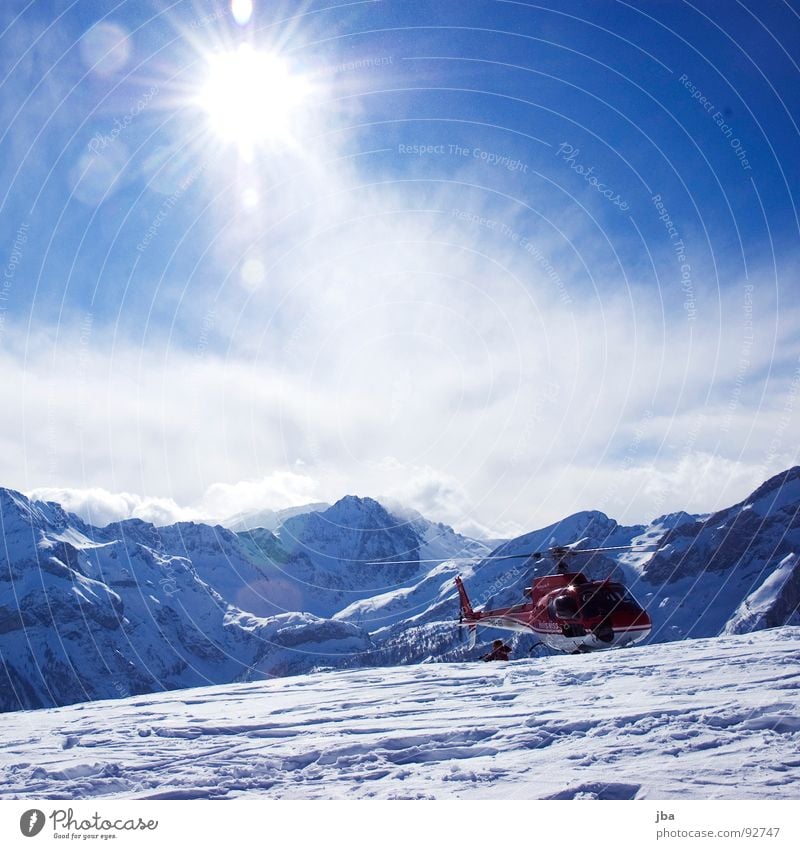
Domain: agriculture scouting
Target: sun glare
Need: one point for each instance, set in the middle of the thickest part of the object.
(252, 98)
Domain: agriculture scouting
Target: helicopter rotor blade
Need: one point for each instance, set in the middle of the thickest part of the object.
(556, 550)
(474, 559)
(653, 547)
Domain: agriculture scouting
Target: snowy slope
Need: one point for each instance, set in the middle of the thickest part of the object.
(773, 603)
(713, 718)
(429, 585)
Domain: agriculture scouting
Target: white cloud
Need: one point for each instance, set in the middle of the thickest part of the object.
(273, 492)
(220, 501)
(391, 330)
(100, 507)
(511, 434)
(432, 493)
(698, 482)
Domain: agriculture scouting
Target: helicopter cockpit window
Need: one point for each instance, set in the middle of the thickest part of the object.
(565, 607)
(592, 603)
(623, 600)
(608, 599)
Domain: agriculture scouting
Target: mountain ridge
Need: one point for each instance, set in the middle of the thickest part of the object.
(132, 607)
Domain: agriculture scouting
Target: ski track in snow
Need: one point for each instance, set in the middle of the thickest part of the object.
(711, 718)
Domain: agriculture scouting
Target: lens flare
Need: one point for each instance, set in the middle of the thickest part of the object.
(242, 11)
(252, 97)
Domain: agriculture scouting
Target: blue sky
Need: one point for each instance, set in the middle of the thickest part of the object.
(500, 261)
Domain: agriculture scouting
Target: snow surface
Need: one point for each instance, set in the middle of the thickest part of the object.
(709, 718)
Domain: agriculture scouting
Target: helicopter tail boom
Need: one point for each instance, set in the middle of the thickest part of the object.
(466, 607)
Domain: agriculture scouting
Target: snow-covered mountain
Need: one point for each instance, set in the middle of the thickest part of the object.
(268, 519)
(702, 719)
(709, 572)
(89, 613)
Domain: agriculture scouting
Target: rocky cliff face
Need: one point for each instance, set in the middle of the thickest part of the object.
(775, 602)
(705, 569)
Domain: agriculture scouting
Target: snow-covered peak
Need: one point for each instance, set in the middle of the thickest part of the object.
(673, 520)
(779, 491)
(592, 527)
(192, 534)
(133, 531)
(354, 529)
(14, 506)
(357, 513)
(15, 503)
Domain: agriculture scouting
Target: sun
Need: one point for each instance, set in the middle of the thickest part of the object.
(253, 98)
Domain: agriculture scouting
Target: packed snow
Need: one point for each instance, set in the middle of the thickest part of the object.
(707, 719)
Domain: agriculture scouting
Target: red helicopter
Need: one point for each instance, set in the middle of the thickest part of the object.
(566, 611)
